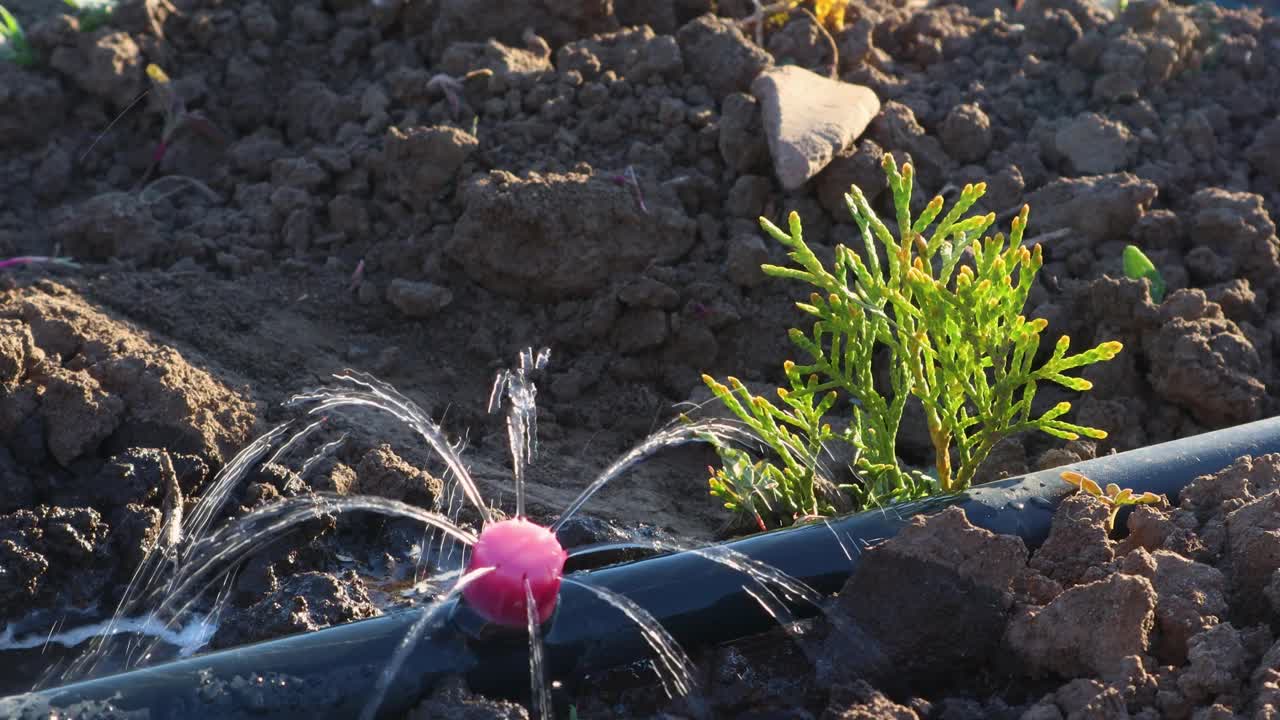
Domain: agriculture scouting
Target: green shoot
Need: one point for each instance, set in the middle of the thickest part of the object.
(92, 14)
(13, 41)
(1113, 497)
(1137, 266)
(176, 119)
(947, 306)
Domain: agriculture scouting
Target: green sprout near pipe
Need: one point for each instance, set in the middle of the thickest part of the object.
(1113, 497)
(948, 308)
(1138, 266)
(14, 47)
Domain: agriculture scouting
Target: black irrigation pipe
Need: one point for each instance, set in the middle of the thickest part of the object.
(331, 673)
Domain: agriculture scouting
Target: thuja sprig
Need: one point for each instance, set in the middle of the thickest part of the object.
(14, 47)
(948, 307)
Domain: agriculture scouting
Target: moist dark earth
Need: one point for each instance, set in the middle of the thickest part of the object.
(422, 189)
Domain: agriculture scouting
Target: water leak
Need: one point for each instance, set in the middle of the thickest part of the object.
(678, 678)
(541, 692)
(678, 433)
(428, 617)
(176, 579)
(367, 391)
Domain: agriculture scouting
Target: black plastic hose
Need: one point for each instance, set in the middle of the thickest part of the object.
(332, 672)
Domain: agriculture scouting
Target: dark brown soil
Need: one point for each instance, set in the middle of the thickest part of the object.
(421, 189)
(1175, 620)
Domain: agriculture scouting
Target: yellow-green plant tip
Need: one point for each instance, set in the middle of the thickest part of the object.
(1072, 477)
(783, 393)
(1112, 490)
(1090, 487)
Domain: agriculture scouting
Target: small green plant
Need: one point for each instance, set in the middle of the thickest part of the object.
(92, 14)
(1138, 266)
(947, 307)
(13, 41)
(176, 119)
(1113, 497)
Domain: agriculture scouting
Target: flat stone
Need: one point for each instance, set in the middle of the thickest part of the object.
(809, 119)
(418, 299)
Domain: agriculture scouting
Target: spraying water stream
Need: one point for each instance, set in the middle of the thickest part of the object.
(174, 578)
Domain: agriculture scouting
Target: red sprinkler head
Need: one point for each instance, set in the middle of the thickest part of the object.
(516, 549)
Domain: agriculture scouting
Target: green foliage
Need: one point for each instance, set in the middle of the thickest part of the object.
(947, 306)
(1138, 266)
(15, 48)
(1113, 497)
(92, 14)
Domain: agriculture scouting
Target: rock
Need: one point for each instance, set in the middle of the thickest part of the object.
(897, 129)
(860, 167)
(420, 161)
(640, 329)
(418, 299)
(1264, 153)
(304, 602)
(1201, 361)
(1078, 540)
(1218, 664)
(1088, 698)
(966, 133)
(742, 143)
(1253, 534)
(808, 119)
(79, 413)
(383, 473)
(748, 197)
(1088, 630)
(746, 254)
(1101, 207)
(1091, 144)
(720, 56)
(113, 225)
(1190, 597)
(1248, 478)
(565, 235)
(860, 701)
(635, 53)
(463, 57)
(559, 22)
(126, 387)
(1238, 226)
(801, 42)
(31, 104)
(453, 701)
(104, 65)
(646, 292)
(937, 593)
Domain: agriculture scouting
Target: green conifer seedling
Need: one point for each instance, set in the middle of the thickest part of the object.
(948, 307)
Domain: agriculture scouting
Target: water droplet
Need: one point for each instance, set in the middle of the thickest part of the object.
(1041, 502)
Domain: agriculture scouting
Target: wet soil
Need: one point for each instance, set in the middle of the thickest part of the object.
(421, 189)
